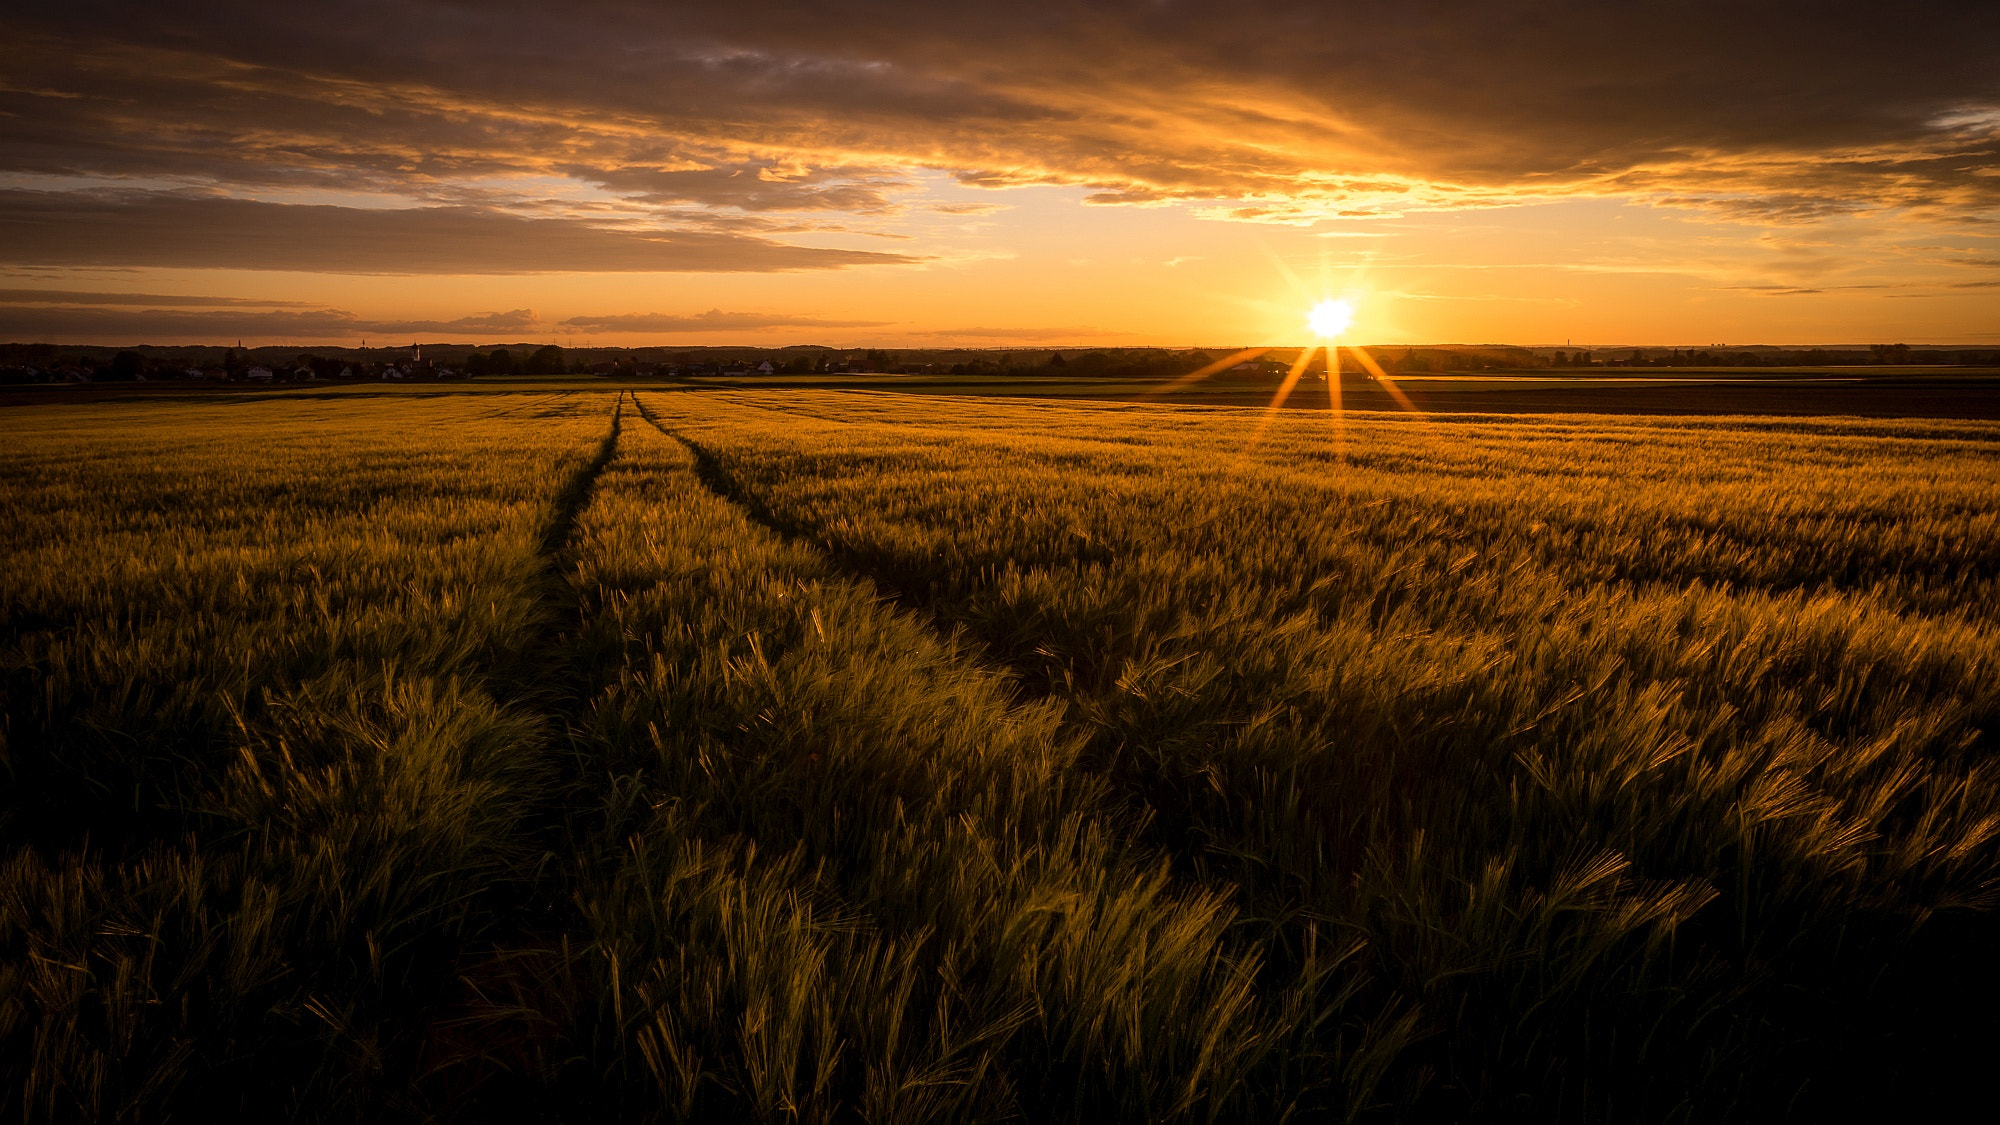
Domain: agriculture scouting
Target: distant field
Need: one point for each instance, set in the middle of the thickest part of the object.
(1866, 392)
(588, 752)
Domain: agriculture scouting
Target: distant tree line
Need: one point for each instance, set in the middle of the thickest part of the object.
(1875, 355)
(46, 363)
(1118, 363)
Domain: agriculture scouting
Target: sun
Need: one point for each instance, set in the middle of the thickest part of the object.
(1329, 319)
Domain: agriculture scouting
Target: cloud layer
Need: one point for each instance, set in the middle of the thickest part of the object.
(684, 125)
(78, 323)
(76, 316)
(163, 229)
(1019, 334)
(714, 320)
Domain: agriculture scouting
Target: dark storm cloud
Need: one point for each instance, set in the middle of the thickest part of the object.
(710, 321)
(1767, 112)
(154, 229)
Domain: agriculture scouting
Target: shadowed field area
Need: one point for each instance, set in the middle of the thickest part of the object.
(586, 752)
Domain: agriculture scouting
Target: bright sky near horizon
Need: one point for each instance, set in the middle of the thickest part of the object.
(897, 173)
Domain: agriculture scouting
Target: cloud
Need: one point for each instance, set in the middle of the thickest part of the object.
(484, 324)
(61, 325)
(81, 297)
(756, 185)
(1284, 110)
(175, 230)
(714, 320)
(97, 324)
(1020, 333)
(1776, 210)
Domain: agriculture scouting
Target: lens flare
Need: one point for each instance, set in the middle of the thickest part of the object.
(1329, 319)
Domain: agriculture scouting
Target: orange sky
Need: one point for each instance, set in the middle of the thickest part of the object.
(1038, 174)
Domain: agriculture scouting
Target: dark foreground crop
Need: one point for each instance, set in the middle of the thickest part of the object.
(816, 756)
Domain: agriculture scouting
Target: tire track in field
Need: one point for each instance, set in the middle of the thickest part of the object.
(710, 470)
(846, 563)
(539, 678)
(522, 943)
(1027, 686)
(576, 491)
(536, 674)
(717, 480)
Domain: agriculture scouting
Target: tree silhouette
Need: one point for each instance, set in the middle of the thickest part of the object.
(125, 367)
(547, 360)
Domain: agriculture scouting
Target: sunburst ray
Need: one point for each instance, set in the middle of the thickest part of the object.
(1337, 415)
(1223, 364)
(1367, 361)
(1284, 392)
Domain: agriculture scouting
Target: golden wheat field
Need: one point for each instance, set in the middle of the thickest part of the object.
(854, 756)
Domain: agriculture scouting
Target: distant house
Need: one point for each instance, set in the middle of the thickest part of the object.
(258, 374)
(765, 368)
(304, 373)
(194, 373)
(391, 372)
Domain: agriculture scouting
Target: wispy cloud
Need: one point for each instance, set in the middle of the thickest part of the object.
(483, 324)
(1084, 333)
(714, 320)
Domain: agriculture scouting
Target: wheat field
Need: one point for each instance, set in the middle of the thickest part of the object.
(853, 756)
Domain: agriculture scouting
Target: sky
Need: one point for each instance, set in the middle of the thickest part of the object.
(908, 173)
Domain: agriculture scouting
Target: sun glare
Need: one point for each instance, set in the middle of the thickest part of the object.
(1330, 318)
